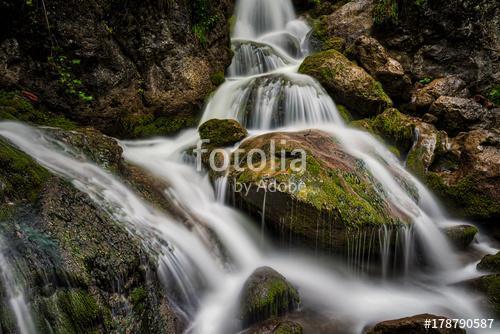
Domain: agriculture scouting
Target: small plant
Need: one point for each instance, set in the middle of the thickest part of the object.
(425, 81)
(494, 95)
(204, 20)
(64, 67)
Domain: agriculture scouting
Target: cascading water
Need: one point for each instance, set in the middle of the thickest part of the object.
(15, 294)
(264, 92)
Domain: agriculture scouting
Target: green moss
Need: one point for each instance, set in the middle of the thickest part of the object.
(21, 178)
(395, 128)
(288, 328)
(490, 263)
(344, 113)
(491, 284)
(461, 236)
(464, 197)
(217, 78)
(415, 162)
(494, 95)
(142, 126)
(385, 12)
(138, 298)
(80, 307)
(15, 107)
(222, 132)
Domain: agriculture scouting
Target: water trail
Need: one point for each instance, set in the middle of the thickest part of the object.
(15, 293)
(186, 255)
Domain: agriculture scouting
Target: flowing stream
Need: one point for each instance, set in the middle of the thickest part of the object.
(264, 92)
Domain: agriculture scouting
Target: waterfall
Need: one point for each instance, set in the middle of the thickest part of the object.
(15, 293)
(264, 92)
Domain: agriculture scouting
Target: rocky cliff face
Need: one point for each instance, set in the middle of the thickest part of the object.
(130, 69)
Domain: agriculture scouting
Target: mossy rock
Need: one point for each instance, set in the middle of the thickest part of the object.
(265, 295)
(461, 236)
(347, 83)
(276, 326)
(13, 106)
(396, 127)
(464, 197)
(21, 178)
(222, 132)
(330, 199)
(490, 263)
(490, 286)
(150, 125)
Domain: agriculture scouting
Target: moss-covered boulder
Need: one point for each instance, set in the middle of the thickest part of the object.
(466, 176)
(461, 236)
(265, 295)
(489, 285)
(317, 205)
(222, 132)
(347, 83)
(490, 262)
(414, 324)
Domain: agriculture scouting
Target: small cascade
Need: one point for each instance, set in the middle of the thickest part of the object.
(251, 58)
(14, 290)
(254, 18)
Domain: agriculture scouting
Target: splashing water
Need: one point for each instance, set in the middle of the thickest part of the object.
(263, 69)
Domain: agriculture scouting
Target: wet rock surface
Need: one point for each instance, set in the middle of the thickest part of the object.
(414, 324)
(265, 295)
(104, 64)
(347, 83)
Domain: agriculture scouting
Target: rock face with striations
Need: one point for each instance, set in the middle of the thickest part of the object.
(104, 63)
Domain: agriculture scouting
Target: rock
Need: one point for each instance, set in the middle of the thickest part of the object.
(222, 132)
(414, 324)
(490, 263)
(347, 83)
(317, 206)
(124, 79)
(456, 114)
(275, 326)
(429, 118)
(350, 21)
(424, 97)
(80, 266)
(267, 294)
(489, 285)
(461, 236)
(466, 176)
(374, 58)
(396, 128)
(437, 40)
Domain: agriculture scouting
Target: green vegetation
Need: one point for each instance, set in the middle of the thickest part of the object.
(395, 127)
(385, 12)
(464, 196)
(222, 132)
(13, 106)
(490, 263)
(204, 19)
(148, 125)
(65, 67)
(217, 78)
(425, 81)
(494, 95)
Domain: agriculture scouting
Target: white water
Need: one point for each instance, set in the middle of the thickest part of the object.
(209, 285)
(15, 294)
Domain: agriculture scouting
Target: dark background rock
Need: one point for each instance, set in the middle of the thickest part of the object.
(137, 78)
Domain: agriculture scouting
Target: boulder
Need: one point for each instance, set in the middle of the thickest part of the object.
(490, 262)
(423, 98)
(350, 21)
(414, 324)
(375, 59)
(489, 285)
(222, 132)
(275, 327)
(466, 176)
(460, 236)
(265, 295)
(319, 205)
(456, 114)
(347, 83)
